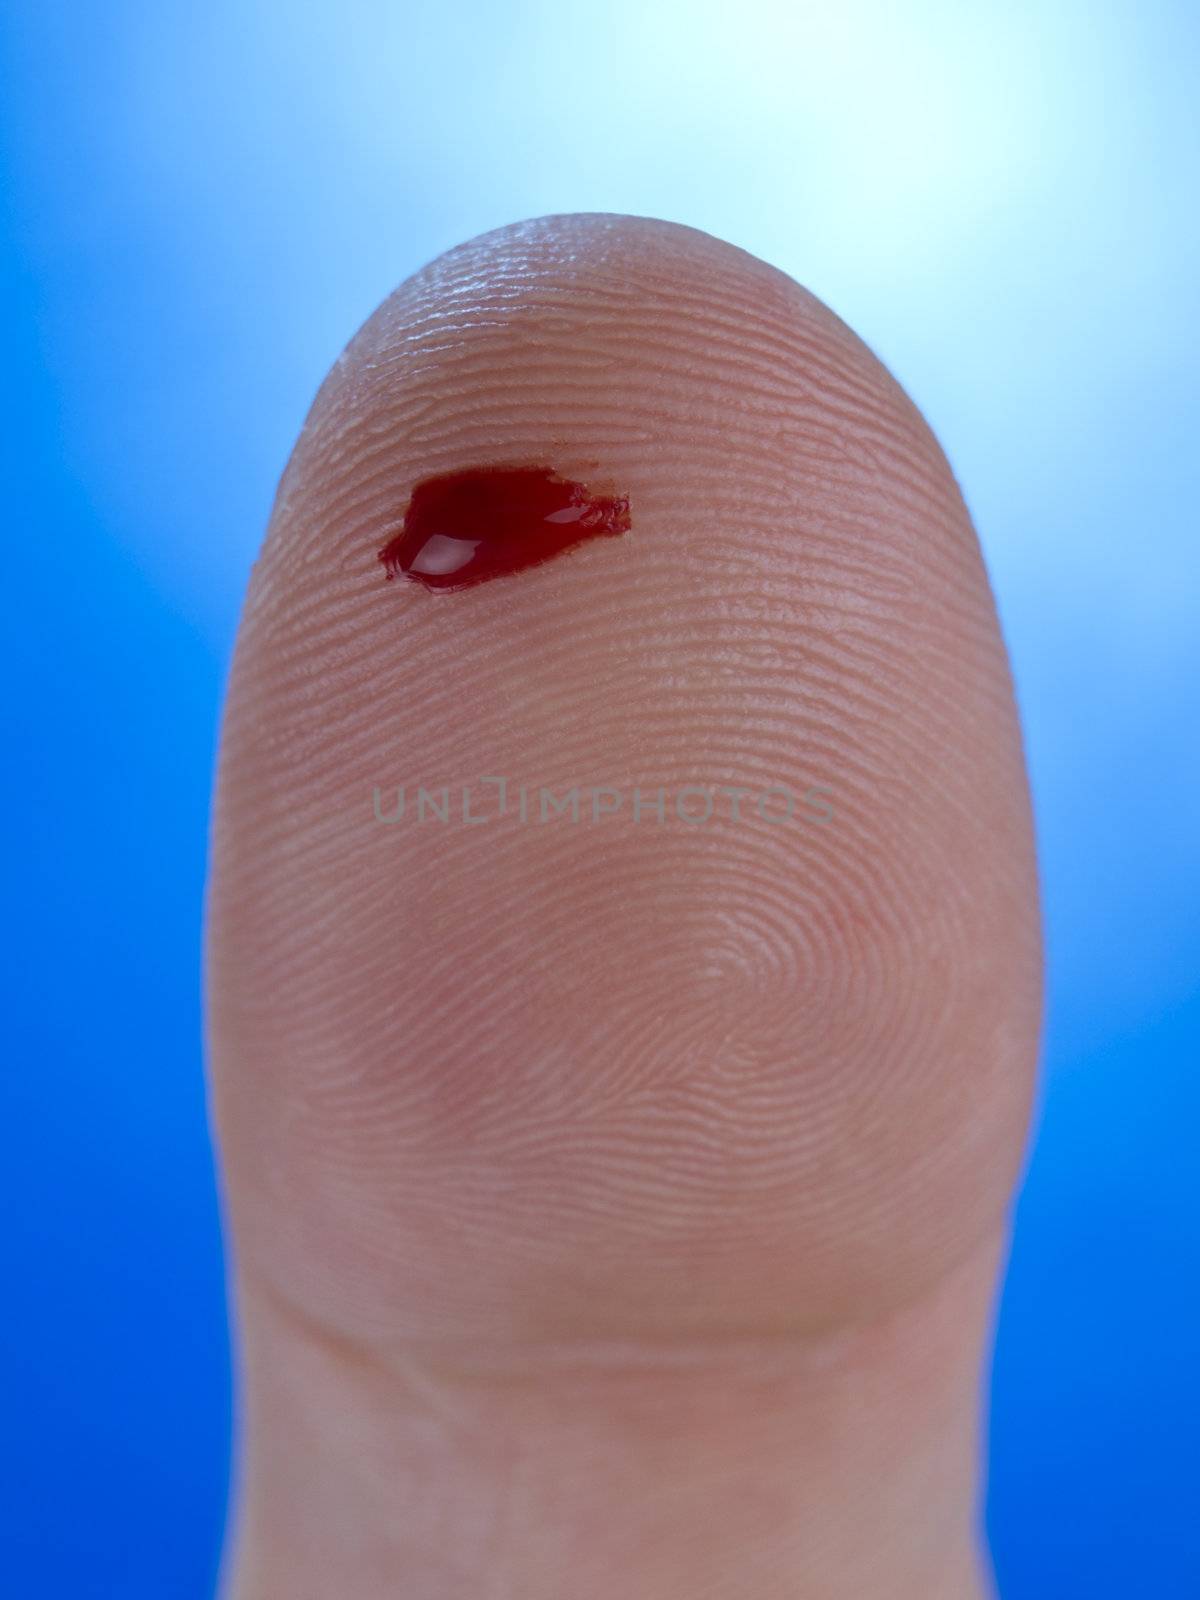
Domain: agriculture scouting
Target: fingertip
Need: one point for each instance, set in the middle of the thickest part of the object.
(612, 1073)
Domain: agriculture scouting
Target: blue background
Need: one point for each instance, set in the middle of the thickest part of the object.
(200, 205)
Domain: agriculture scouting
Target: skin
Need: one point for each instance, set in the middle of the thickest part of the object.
(618, 1207)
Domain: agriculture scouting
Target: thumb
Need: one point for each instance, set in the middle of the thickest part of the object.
(610, 1077)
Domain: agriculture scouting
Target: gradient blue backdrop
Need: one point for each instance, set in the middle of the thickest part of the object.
(200, 205)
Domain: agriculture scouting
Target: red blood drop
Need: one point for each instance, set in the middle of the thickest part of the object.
(462, 528)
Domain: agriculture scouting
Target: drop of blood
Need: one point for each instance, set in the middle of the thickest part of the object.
(462, 528)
